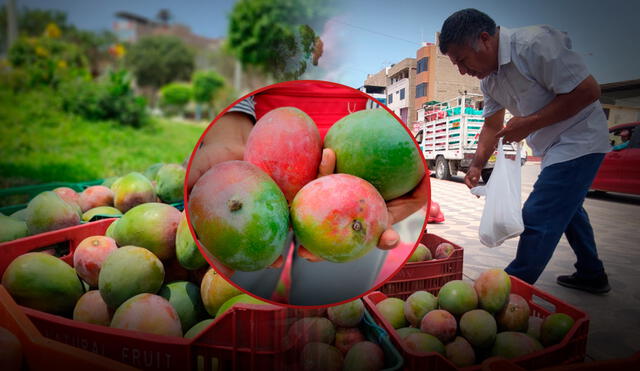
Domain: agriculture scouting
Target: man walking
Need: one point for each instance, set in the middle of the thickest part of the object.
(533, 73)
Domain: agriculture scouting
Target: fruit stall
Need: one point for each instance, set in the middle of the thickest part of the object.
(111, 268)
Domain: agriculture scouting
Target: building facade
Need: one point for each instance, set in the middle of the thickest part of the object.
(413, 82)
(131, 27)
(397, 84)
(621, 101)
(437, 79)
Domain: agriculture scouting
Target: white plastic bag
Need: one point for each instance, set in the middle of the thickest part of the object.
(502, 214)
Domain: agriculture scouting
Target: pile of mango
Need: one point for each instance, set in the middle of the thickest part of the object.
(443, 250)
(333, 339)
(468, 323)
(145, 274)
(64, 207)
(242, 210)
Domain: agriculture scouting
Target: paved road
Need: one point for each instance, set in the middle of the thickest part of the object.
(615, 317)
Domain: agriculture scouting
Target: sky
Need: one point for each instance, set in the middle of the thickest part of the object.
(367, 35)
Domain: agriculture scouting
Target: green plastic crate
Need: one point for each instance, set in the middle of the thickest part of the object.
(392, 359)
(31, 191)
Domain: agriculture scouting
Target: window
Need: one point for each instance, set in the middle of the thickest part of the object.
(423, 65)
(421, 90)
(390, 98)
(402, 94)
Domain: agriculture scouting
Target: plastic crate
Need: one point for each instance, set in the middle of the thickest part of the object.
(40, 353)
(426, 275)
(177, 205)
(372, 332)
(246, 337)
(631, 363)
(392, 359)
(28, 192)
(571, 349)
(62, 242)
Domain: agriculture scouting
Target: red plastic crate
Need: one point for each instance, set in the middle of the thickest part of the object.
(69, 238)
(40, 353)
(426, 275)
(570, 350)
(371, 331)
(246, 337)
(624, 364)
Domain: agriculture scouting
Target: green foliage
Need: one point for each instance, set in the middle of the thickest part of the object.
(32, 22)
(205, 85)
(95, 45)
(158, 60)
(110, 98)
(276, 35)
(47, 61)
(40, 143)
(174, 97)
(15, 79)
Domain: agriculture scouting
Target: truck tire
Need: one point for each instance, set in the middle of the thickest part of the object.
(442, 168)
(486, 174)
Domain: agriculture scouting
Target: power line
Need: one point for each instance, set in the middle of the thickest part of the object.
(374, 32)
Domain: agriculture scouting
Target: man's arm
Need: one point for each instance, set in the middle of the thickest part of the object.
(486, 145)
(562, 107)
(224, 141)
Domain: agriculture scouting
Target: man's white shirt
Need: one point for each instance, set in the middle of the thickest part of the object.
(535, 64)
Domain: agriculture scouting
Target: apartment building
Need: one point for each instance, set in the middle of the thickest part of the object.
(437, 79)
(412, 82)
(398, 81)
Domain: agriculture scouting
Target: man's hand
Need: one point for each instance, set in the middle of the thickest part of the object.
(472, 177)
(516, 129)
(400, 208)
(328, 162)
(224, 141)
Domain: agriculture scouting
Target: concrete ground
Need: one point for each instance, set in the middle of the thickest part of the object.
(614, 330)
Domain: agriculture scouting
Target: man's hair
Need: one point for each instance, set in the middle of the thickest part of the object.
(463, 28)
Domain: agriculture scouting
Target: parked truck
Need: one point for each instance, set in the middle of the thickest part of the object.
(448, 134)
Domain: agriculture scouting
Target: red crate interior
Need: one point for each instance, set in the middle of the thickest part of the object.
(570, 350)
(426, 275)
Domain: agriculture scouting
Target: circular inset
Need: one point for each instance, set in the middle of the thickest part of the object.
(296, 193)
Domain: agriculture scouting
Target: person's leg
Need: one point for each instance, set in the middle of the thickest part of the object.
(590, 275)
(556, 197)
(580, 236)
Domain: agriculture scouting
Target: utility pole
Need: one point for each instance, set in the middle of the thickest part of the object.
(237, 76)
(12, 23)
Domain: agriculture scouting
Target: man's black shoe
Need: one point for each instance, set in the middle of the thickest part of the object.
(595, 286)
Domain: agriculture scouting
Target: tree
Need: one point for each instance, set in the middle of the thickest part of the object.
(95, 45)
(164, 16)
(158, 60)
(175, 96)
(277, 35)
(47, 61)
(206, 84)
(39, 22)
(33, 22)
